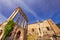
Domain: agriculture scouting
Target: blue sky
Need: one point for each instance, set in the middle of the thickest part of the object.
(34, 9)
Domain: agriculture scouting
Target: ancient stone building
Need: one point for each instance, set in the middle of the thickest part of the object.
(45, 28)
(18, 31)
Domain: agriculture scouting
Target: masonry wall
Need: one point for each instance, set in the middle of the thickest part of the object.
(43, 28)
(54, 27)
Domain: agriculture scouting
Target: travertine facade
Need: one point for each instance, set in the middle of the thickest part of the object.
(44, 28)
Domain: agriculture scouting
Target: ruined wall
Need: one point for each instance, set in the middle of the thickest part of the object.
(43, 28)
(54, 27)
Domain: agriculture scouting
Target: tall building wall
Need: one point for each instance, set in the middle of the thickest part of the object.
(43, 28)
(33, 28)
(54, 27)
(46, 28)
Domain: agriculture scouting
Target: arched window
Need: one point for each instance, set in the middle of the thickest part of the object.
(39, 30)
(32, 30)
(48, 28)
(18, 34)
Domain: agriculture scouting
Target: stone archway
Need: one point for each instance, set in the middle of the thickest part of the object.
(19, 35)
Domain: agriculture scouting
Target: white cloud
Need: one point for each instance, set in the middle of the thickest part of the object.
(2, 18)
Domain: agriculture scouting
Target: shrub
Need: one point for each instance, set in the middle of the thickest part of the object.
(8, 28)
